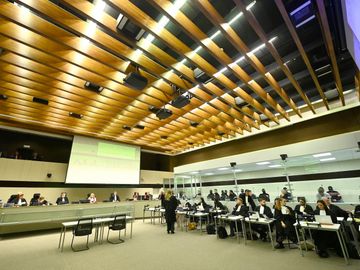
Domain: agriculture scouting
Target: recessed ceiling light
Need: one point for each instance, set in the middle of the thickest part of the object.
(275, 166)
(223, 169)
(210, 173)
(327, 159)
(194, 172)
(238, 170)
(322, 155)
(263, 163)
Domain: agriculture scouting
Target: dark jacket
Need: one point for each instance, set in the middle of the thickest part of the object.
(265, 196)
(337, 211)
(287, 219)
(267, 211)
(16, 201)
(219, 205)
(170, 208)
(308, 209)
(112, 198)
(243, 211)
(250, 200)
(59, 200)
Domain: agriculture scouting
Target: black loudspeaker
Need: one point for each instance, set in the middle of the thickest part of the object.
(49, 175)
(284, 156)
(233, 164)
(163, 113)
(181, 101)
(136, 81)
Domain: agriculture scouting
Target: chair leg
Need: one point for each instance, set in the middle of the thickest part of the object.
(115, 242)
(76, 250)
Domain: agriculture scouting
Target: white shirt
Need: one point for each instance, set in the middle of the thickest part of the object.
(322, 213)
(63, 199)
(262, 208)
(247, 200)
(19, 202)
(238, 209)
(302, 208)
(284, 210)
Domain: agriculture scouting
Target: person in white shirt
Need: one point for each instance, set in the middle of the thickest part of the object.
(20, 200)
(303, 208)
(321, 193)
(92, 198)
(264, 212)
(114, 197)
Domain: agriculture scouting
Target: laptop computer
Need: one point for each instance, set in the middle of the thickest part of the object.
(326, 220)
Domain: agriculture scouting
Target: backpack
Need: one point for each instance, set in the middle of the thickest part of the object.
(222, 233)
(192, 226)
(210, 229)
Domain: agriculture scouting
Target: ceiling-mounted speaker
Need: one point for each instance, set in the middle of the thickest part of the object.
(163, 113)
(129, 29)
(135, 80)
(201, 76)
(75, 115)
(126, 127)
(41, 100)
(164, 137)
(181, 101)
(139, 126)
(93, 87)
(3, 97)
(331, 94)
(194, 124)
(220, 133)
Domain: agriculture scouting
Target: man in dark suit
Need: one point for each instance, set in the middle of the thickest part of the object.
(114, 197)
(19, 200)
(63, 199)
(248, 200)
(336, 210)
(264, 211)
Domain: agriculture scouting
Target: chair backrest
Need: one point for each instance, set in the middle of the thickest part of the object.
(84, 227)
(119, 222)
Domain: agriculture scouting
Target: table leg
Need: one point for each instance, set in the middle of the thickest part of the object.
(298, 238)
(243, 225)
(216, 226)
(61, 234)
(251, 236)
(200, 225)
(131, 228)
(343, 247)
(63, 240)
(271, 238)
(237, 231)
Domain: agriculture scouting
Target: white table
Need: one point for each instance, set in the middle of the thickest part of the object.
(181, 214)
(330, 228)
(96, 221)
(261, 221)
(234, 219)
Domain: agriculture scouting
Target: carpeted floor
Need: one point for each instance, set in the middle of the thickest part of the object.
(152, 248)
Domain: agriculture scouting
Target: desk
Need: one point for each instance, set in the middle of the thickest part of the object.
(181, 218)
(96, 221)
(200, 215)
(261, 221)
(330, 228)
(235, 219)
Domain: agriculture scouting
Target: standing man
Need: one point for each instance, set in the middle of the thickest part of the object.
(114, 197)
(248, 200)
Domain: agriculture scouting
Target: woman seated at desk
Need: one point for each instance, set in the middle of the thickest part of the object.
(324, 239)
(303, 208)
(284, 223)
(240, 209)
(92, 198)
(202, 206)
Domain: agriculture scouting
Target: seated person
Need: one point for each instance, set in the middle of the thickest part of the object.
(218, 205)
(336, 210)
(321, 193)
(42, 201)
(324, 239)
(63, 199)
(264, 212)
(303, 208)
(232, 195)
(210, 196)
(247, 199)
(240, 209)
(136, 196)
(114, 197)
(35, 199)
(146, 196)
(19, 200)
(284, 223)
(334, 195)
(92, 198)
(202, 205)
(264, 195)
(223, 195)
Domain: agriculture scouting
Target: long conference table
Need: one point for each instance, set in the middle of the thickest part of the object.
(99, 230)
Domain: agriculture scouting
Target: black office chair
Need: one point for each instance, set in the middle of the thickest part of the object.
(83, 228)
(118, 224)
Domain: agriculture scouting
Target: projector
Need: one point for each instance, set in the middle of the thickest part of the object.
(163, 113)
(181, 101)
(135, 80)
(201, 76)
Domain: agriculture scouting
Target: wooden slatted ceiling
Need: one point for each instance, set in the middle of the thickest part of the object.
(50, 53)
